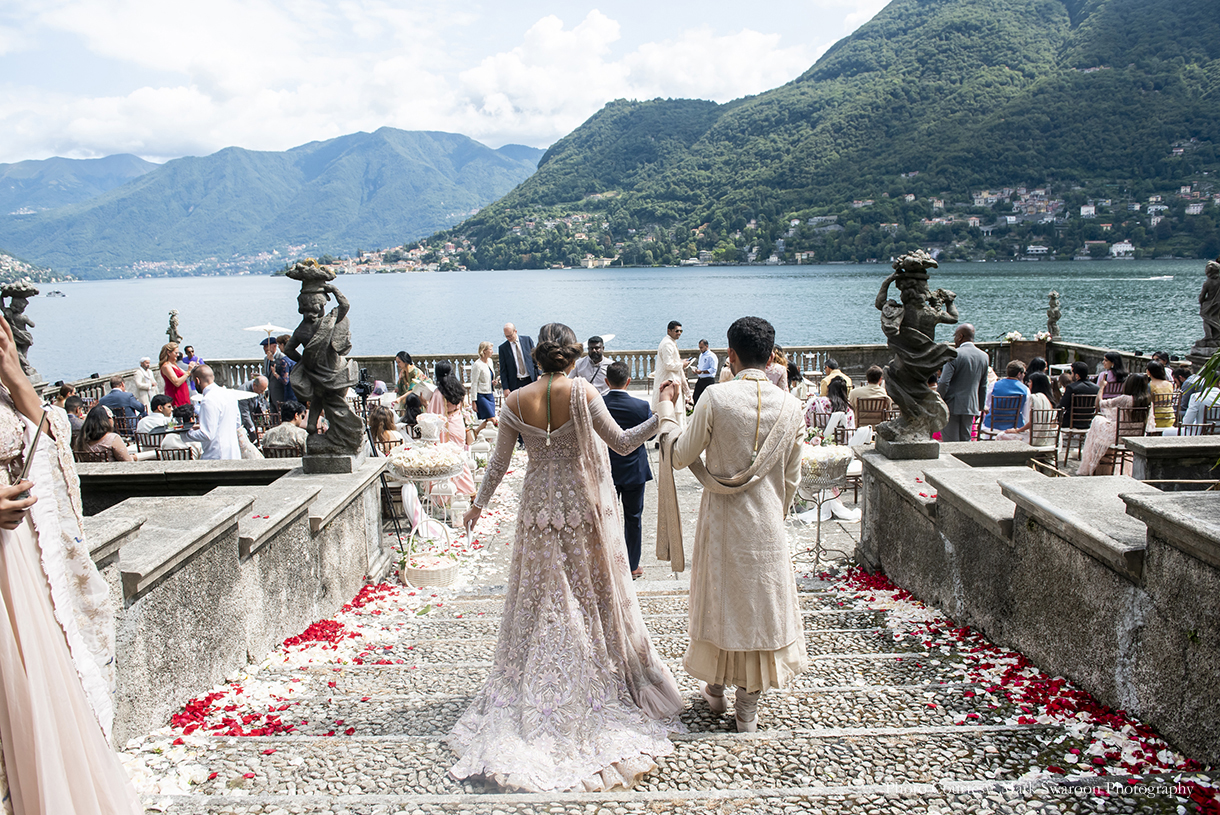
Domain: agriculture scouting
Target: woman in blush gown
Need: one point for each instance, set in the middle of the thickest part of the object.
(1102, 431)
(447, 400)
(577, 698)
(56, 625)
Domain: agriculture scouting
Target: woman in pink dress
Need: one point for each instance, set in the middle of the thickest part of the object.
(1101, 435)
(447, 400)
(56, 624)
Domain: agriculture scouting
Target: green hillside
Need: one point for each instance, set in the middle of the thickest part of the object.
(57, 182)
(1106, 100)
(359, 191)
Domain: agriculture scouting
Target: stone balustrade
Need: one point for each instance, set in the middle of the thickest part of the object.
(1105, 580)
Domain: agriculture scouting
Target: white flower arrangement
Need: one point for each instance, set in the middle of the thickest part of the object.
(427, 460)
(1013, 336)
(1042, 336)
(822, 461)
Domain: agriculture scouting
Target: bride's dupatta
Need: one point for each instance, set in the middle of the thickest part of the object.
(648, 679)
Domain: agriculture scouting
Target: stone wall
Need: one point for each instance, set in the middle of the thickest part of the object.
(209, 583)
(1104, 580)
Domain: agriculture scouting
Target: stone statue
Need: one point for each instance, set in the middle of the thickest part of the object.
(172, 331)
(1052, 316)
(910, 327)
(1209, 310)
(20, 293)
(324, 373)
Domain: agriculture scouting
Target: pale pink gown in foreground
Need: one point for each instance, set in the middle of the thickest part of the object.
(577, 697)
(56, 758)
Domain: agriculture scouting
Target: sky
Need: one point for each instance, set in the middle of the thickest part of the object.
(169, 78)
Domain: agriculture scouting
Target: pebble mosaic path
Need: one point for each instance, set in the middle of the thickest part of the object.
(900, 711)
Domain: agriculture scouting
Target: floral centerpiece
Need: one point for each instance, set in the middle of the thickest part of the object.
(1042, 336)
(427, 461)
(1013, 336)
(427, 561)
(824, 465)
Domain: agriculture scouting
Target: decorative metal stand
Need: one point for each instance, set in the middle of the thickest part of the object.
(815, 481)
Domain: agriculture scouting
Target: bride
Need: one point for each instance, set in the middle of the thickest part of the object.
(577, 698)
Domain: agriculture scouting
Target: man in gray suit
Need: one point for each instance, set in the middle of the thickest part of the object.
(963, 384)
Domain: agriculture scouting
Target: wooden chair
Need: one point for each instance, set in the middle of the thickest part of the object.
(1201, 429)
(91, 457)
(1006, 411)
(872, 412)
(385, 447)
(148, 441)
(1080, 414)
(176, 454)
(281, 451)
(1111, 389)
(1165, 404)
(125, 426)
(1130, 423)
(1044, 433)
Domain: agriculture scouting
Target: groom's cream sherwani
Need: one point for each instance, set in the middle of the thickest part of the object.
(745, 621)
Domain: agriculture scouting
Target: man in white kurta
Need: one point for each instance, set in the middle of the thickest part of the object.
(745, 621)
(670, 368)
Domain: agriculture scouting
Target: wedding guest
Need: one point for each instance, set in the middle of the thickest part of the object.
(411, 408)
(798, 385)
(283, 368)
(183, 415)
(120, 402)
(1136, 394)
(872, 388)
(1079, 386)
(410, 379)
(516, 360)
(97, 435)
(189, 358)
(1011, 385)
(176, 387)
(569, 593)
(61, 395)
(75, 408)
(158, 417)
(1112, 373)
(1188, 384)
(1202, 401)
(670, 368)
(631, 472)
(57, 657)
(1040, 399)
(963, 384)
(382, 424)
(777, 369)
(745, 622)
(705, 370)
(447, 401)
(272, 356)
(821, 408)
(1161, 386)
(219, 418)
(831, 371)
(291, 431)
(482, 383)
(145, 382)
(257, 406)
(592, 367)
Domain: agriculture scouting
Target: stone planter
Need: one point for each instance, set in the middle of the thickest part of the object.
(1025, 350)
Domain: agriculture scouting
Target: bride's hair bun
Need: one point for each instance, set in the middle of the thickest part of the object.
(557, 348)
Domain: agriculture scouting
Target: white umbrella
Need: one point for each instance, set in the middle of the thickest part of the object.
(606, 338)
(270, 329)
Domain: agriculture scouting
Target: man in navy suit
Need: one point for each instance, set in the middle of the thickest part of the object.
(630, 472)
(516, 360)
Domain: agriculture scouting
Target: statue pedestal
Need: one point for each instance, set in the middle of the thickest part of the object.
(1200, 354)
(908, 450)
(332, 464)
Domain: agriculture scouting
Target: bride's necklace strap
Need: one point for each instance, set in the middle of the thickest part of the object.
(549, 382)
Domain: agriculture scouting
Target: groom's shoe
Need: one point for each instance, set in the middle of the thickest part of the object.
(715, 702)
(746, 711)
(747, 727)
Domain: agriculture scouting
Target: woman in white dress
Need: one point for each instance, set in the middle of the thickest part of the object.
(56, 625)
(578, 698)
(482, 380)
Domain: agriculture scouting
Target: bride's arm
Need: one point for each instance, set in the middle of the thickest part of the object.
(621, 441)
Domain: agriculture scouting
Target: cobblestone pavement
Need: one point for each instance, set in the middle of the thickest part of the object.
(899, 712)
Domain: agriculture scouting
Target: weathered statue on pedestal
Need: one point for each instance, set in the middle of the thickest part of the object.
(1209, 310)
(910, 328)
(1052, 316)
(172, 331)
(20, 293)
(324, 373)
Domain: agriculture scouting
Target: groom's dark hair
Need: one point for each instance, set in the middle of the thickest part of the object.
(753, 340)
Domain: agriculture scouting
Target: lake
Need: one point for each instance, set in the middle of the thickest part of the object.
(102, 326)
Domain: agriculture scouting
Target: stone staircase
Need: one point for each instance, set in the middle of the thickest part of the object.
(884, 720)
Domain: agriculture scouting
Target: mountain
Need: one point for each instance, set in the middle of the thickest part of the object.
(34, 186)
(931, 98)
(364, 190)
(14, 268)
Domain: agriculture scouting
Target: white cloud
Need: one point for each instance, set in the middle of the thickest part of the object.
(271, 74)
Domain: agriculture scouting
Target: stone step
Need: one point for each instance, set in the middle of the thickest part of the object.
(802, 708)
(952, 796)
(412, 627)
(825, 670)
(834, 641)
(857, 756)
(667, 602)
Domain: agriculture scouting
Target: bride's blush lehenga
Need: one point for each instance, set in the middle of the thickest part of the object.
(53, 709)
(577, 698)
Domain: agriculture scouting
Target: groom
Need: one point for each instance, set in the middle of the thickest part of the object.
(745, 622)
